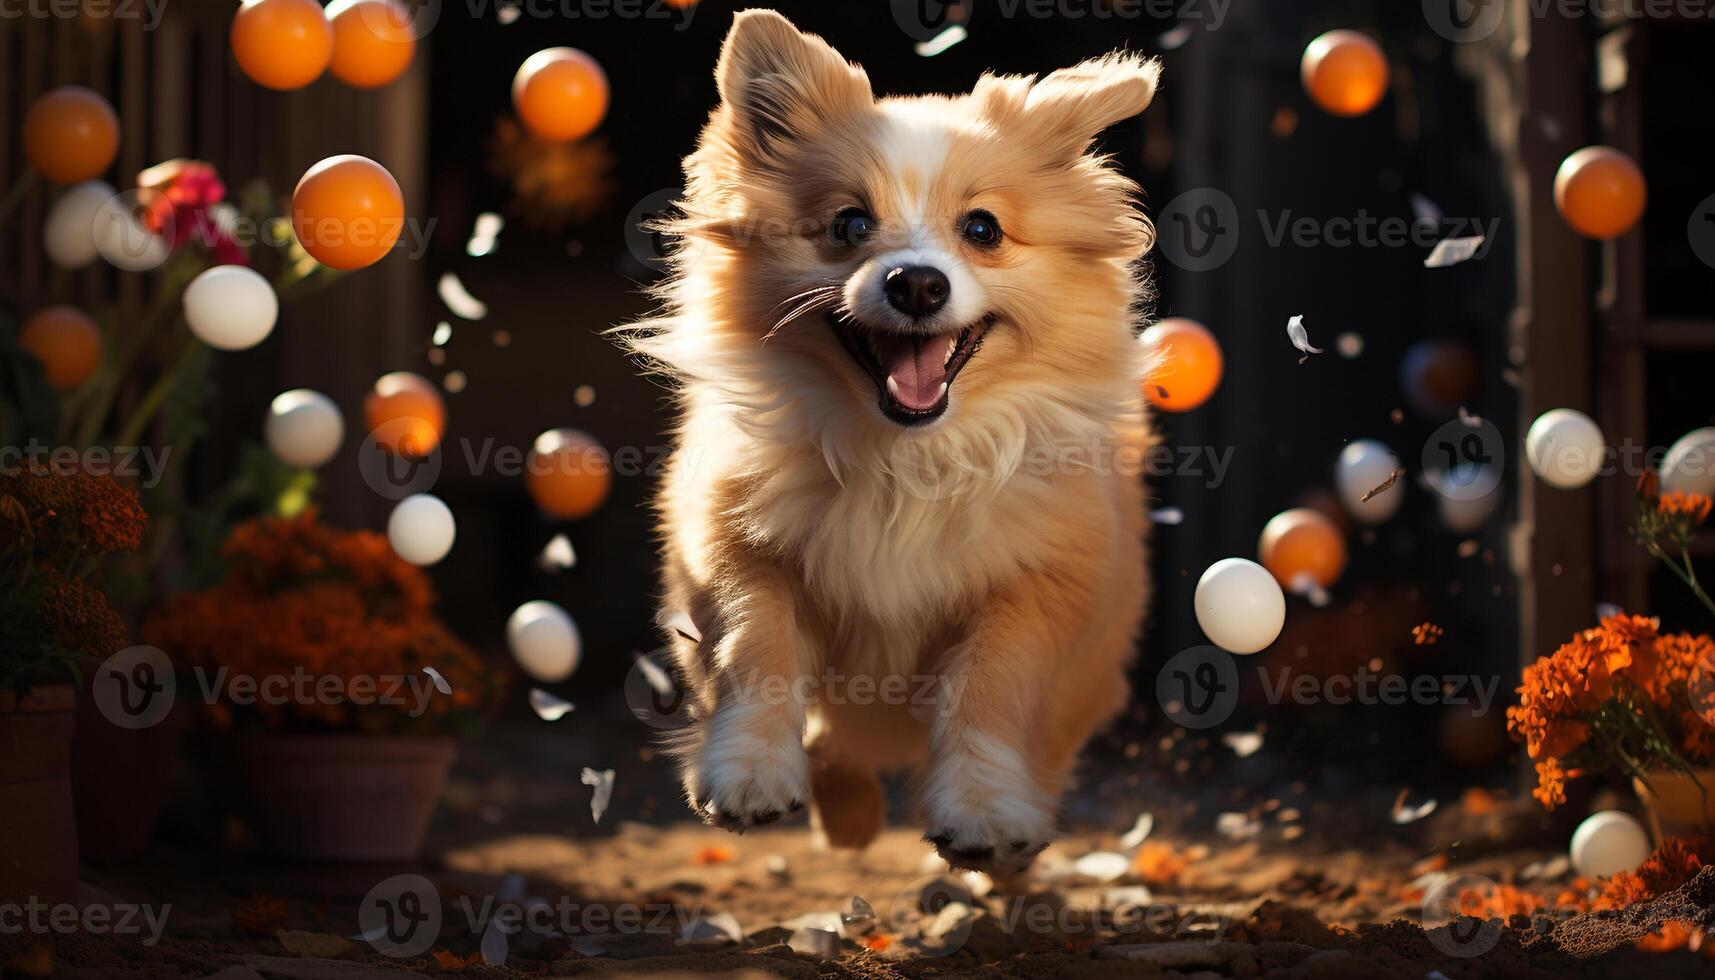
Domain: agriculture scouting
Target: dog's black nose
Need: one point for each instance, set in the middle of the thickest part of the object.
(916, 290)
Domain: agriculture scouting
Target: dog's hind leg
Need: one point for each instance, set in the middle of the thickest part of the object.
(848, 806)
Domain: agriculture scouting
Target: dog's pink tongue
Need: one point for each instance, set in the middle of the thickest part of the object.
(916, 368)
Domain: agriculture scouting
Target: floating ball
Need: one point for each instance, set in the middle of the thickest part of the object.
(1463, 511)
(1565, 448)
(373, 41)
(544, 641)
(282, 44)
(67, 343)
(560, 94)
(68, 231)
(567, 474)
(1438, 376)
(1689, 466)
(1608, 843)
(405, 414)
(70, 134)
(1364, 466)
(304, 428)
(1600, 192)
(1302, 545)
(347, 211)
(1344, 72)
(1183, 364)
(421, 529)
(231, 307)
(1239, 605)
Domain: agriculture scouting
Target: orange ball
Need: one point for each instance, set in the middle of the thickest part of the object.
(373, 41)
(560, 93)
(66, 342)
(1302, 542)
(405, 414)
(1184, 364)
(567, 474)
(1600, 192)
(71, 135)
(1344, 72)
(347, 211)
(282, 44)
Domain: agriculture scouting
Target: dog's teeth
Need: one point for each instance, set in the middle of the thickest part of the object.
(952, 348)
(892, 386)
(942, 393)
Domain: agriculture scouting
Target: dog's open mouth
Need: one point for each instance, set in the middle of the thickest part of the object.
(913, 373)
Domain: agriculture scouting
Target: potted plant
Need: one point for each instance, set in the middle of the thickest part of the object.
(339, 692)
(57, 523)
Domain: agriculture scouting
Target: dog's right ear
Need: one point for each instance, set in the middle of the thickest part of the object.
(781, 84)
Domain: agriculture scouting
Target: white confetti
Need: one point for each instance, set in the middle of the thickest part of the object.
(602, 781)
(495, 945)
(1606, 609)
(1168, 516)
(818, 944)
(1139, 832)
(941, 42)
(1452, 251)
(1102, 866)
(441, 684)
(712, 931)
(860, 920)
(1243, 744)
(679, 622)
(458, 299)
(1426, 211)
(443, 333)
(1175, 39)
(1128, 896)
(1237, 826)
(778, 867)
(1403, 814)
(488, 225)
(547, 706)
(659, 680)
(558, 555)
(1300, 338)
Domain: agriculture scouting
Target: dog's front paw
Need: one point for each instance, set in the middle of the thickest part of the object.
(985, 845)
(740, 779)
(982, 810)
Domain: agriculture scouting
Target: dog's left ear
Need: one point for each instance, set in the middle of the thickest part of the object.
(1068, 108)
(781, 84)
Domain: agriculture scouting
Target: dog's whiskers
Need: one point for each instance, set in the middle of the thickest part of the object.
(817, 298)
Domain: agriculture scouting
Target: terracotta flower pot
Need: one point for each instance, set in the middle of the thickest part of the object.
(343, 797)
(1676, 807)
(122, 779)
(38, 826)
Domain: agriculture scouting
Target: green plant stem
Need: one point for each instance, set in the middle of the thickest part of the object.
(101, 401)
(157, 394)
(15, 196)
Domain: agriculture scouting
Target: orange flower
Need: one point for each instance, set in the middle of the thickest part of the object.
(80, 619)
(1550, 788)
(1692, 508)
(1159, 863)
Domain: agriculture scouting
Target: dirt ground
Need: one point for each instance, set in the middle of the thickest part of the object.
(1287, 890)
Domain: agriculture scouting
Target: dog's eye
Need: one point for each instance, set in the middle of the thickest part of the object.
(981, 230)
(851, 226)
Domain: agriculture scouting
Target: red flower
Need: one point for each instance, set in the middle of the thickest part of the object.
(179, 203)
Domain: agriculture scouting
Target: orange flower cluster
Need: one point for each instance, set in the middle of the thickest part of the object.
(79, 618)
(1624, 655)
(303, 600)
(1690, 507)
(82, 511)
(1674, 862)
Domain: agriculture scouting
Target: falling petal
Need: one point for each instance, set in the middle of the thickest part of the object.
(1300, 338)
(1139, 832)
(558, 555)
(458, 299)
(443, 333)
(679, 622)
(1102, 866)
(441, 684)
(941, 42)
(1452, 251)
(602, 781)
(1243, 744)
(488, 225)
(658, 679)
(1237, 826)
(1168, 516)
(547, 706)
(495, 945)
(1403, 814)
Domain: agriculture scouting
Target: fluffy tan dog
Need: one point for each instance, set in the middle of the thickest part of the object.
(904, 510)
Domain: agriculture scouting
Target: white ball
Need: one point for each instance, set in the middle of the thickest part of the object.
(231, 307)
(1608, 843)
(123, 241)
(544, 641)
(1240, 605)
(1565, 448)
(1690, 464)
(1462, 509)
(421, 529)
(1361, 467)
(68, 232)
(304, 428)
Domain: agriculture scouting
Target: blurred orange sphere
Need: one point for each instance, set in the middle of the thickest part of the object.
(347, 211)
(71, 135)
(1344, 72)
(282, 44)
(373, 41)
(568, 474)
(1184, 364)
(560, 94)
(1302, 542)
(1600, 192)
(405, 414)
(67, 343)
